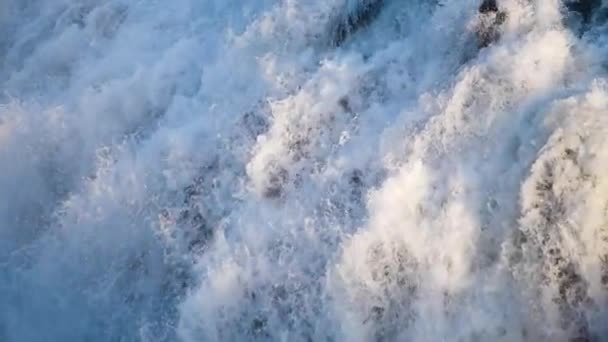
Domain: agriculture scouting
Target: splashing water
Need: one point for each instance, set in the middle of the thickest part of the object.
(284, 170)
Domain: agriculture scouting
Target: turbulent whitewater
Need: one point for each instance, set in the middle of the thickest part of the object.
(303, 170)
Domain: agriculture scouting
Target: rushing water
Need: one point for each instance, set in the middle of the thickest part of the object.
(303, 170)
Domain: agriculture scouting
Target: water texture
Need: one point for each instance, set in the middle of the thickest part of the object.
(303, 170)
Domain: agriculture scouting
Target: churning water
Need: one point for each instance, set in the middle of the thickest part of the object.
(303, 170)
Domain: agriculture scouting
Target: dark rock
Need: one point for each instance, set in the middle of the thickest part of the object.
(585, 8)
(491, 18)
(276, 184)
(347, 25)
(488, 6)
(258, 326)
